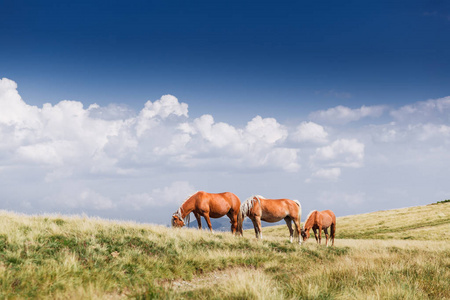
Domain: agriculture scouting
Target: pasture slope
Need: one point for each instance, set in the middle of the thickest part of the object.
(396, 254)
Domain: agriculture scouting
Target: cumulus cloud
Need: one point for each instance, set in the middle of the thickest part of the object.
(257, 145)
(14, 111)
(340, 153)
(152, 113)
(310, 132)
(73, 158)
(342, 114)
(266, 130)
(67, 139)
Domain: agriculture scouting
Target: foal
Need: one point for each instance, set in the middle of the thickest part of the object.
(318, 221)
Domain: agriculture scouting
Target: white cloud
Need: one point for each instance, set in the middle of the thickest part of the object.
(152, 113)
(14, 111)
(433, 110)
(342, 114)
(110, 112)
(266, 130)
(341, 153)
(67, 139)
(310, 132)
(258, 145)
(112, 160)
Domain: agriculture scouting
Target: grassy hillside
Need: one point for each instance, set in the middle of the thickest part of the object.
(82, 258)
(429, 222)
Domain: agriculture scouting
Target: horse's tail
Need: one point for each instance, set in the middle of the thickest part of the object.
(187, 220)
(245, 208)
(299, 217)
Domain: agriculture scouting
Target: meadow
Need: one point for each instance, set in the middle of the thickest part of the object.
(395, 254)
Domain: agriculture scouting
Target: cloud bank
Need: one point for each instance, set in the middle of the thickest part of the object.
(117, 162)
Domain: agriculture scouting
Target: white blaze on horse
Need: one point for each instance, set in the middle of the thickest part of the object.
(208, 205)
(318, 221)
(258, 208)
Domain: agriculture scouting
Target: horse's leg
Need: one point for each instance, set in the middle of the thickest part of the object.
(199, 220)
(233, 221)
(320, 235)
(315, 235)
(258, 223)
(332, 233)
(289, 225)
(297, 230)
(208, 221)
(255, 226)
(325, 230)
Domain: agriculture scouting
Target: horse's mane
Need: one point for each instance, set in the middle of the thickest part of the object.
(179, 213)
(247, 205)
(307, 217)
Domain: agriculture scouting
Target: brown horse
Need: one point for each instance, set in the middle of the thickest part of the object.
(318, 221)
(258, 208)
(207, 205)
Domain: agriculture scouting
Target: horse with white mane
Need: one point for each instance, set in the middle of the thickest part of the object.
(208, 205)
(258, 208)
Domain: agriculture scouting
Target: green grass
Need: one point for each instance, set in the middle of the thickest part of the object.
(85, 258)
(443, 201)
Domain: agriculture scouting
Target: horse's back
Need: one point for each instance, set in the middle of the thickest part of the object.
(328, 218)
(218, 204)
(330, 213)
(274, 210)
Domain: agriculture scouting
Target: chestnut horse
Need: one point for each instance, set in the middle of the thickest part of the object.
(318, 221)
(208, 205)
(258, 208)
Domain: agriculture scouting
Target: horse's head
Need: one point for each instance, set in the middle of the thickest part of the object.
(177, 221)
(305, 234)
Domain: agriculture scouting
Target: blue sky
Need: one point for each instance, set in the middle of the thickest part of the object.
(361, 71)
(213, 54)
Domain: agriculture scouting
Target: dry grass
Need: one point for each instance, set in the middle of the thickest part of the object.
(418, 223)
(429, 222)
(84, 258)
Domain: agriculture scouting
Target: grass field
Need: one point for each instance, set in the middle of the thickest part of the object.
(382, 257)
(429, 222)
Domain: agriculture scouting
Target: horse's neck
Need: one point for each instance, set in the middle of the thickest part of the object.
(311, 220)
(188, 206)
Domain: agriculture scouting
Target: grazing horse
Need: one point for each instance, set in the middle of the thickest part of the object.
(208, 205)
(318, 221)
(258, 208)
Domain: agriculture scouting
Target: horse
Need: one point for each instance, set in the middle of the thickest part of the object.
(318, 221)
(258, 208)
(208, 205)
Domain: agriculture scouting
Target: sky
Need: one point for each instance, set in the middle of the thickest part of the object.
(123, 109)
